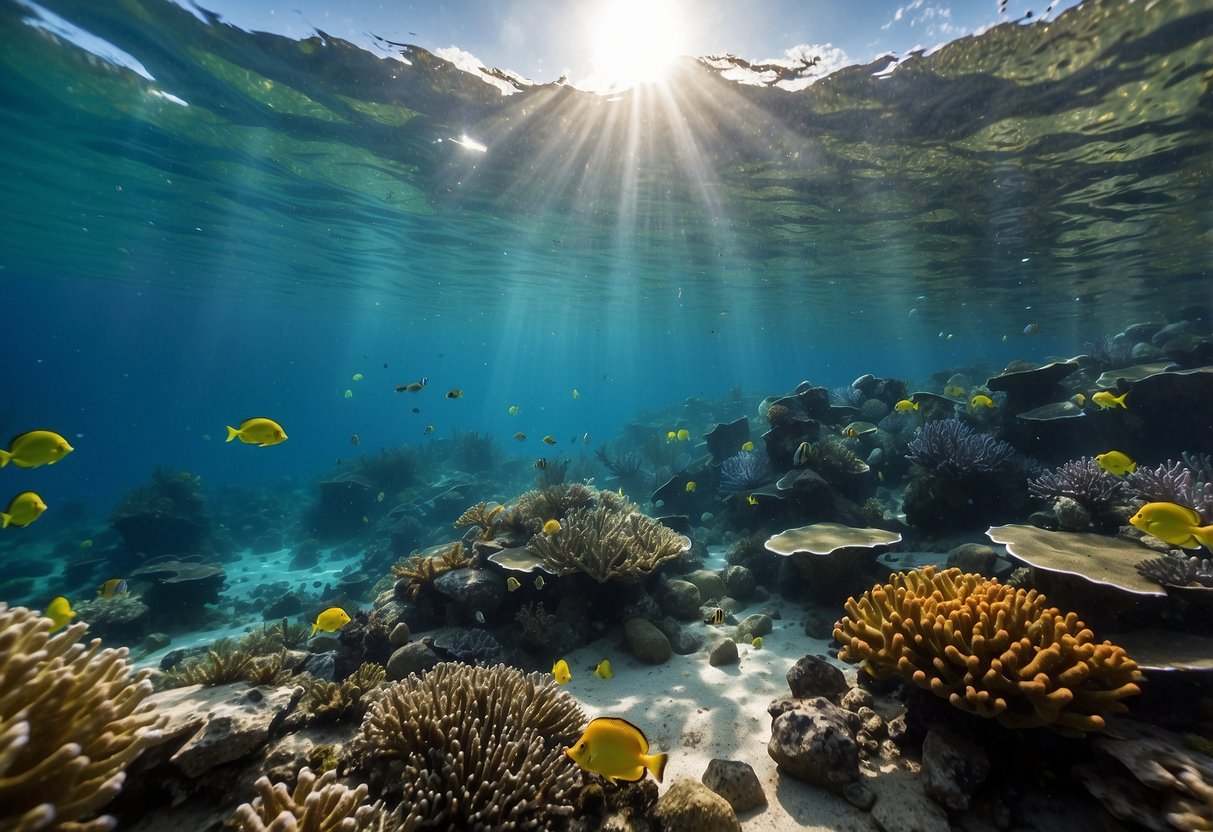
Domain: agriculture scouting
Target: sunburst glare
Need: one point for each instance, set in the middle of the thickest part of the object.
(634, 41)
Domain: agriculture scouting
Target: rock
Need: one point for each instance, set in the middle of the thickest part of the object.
(400, 635)
(219, 724)
(416, 657)
(740, 582)
(973, 557)
(682, 599)
(1171, 331)
(859, 795)
(814, 676)
(710, 585)
(156, 641)
(688, 805)
(909, 812)
(643, 606)
(811, 742)
(736, 782)
(285, 606)
(647, 643)
(321, 665)
(1145, 352)
(819, 623)
(758, 624)
(1141, 331)
(115, 619)
(682, 642)
(855, 698)
(723, 652)
(477, 590)
(1071, 514)
(952, 768)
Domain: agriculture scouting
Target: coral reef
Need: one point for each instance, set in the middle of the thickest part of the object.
(482, 516)
(1178, 571)
(536, 628)
(421, 570)
(1081, 480)
(269, 670)
(1184, 482)
(336, 701)
(222, 665)
(608, 544)
(950, 449)
(273, 638)
(744, 471)
(480, 747)
(988, 649)
(72, 718)
(317, 804)
(527, 514)
(470, 647)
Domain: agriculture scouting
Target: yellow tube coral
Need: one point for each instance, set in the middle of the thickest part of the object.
(989, 649)
(72, 719)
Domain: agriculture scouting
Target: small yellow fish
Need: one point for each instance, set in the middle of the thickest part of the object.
(1174, 524)
(22, 510)
(1115, 462)
(803, 451)
(513, 410)
(349, 394)
(541, 464)
(684, 435)
(520, 437)
(86, 544)
(671, 437)
(114, 588)
(379, 497)
(357, 376)
(954, 390)
(551, 527)
(576, 393)
(691, 487)
(906, 406)
(60, 612)
(617, 750)
(716, 616)
(355, 441)
(549, 440)
(258, 431)
(35, 448)
(981, 400)
(621, 491)
(454, 394)
(603, 670)
(1105, 400)
(429, 429)
(751, 500)
(539, 582)
(330, 621)
(747, 446)
(756, 643)
(1079, 399)
(512, 584)
(560, 672)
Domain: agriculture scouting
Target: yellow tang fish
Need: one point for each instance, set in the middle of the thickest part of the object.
(1115, 462)
(751, 500)
(330, 621)
(576, 393)
(357, 376)
(1105, 400)
(37, 447)
(954, 390)
(22, 510)
(603, 670)
(513, 410)
(684, 435)
(671, 437)
(114, 588)
(1079, 399)
(549, 440)
(617, 750)
(560, 672)
(59, 611)
(349, 394)
(716, 616)
(551, 527)
(747, 446)
(512, 584)
(538, 582)
(981, 400)
(1174, 524)
(258, 431)
(691, 487)
(905, 406)
(429, 429)
(756, 643)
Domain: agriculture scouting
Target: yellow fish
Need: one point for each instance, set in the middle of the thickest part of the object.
(560, 672)
(114, 588)
(691, 487)
(22, 510)
(716, 616)
(906, 406)
(756, 643)
(617, 750)
(330, 621)
(551, 527)
(513, 410)
(549, 440)
(603, 670)
(86, 544)
(349, 394)
(981, 400)
(538, 582)
(37, 447)
(1079, 399)
(671, 437)
(512, 584)
(752, 500)
(454, 394)
(60, 612)
(747, 446)
(429, 429)
(379, 497)
(1115, 462)
(258, 431)
(576, 393)
(1174, 524)
(357, 376)
(1105, 400)
(953, 390)
(684, 435)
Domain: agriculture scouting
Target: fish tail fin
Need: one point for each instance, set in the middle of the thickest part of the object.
(232, 433)
(656, 764)
(1120, 400)
(5, 456)
(1204, 535)
(4, 520)
(315, 627)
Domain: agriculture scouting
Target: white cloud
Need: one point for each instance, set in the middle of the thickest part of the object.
(798, 67)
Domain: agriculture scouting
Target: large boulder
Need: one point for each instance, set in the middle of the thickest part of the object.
(688, 805)
(646, 641)
(811, 741)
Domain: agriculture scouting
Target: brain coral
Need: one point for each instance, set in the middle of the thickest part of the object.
(989, 649)
(72, 719)
(482, 748)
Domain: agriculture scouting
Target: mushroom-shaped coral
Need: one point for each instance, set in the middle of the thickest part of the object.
(481, 747)
(989, 649)
(824, 538)
(318, 804)
(1093, 559)
(72, 719)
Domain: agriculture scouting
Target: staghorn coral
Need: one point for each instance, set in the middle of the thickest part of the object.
(317, 804)
(744, 471)
(1176, 482)
(274, 638)
(989, 649)
(72, 718)
(335, 701)
(950, 449)
(482, 748)
(608, 544)
(222, 665)
(481, 515)
(1081, 480)
(532, 509)
(269, 670)
(1178, 571)
(421, 571)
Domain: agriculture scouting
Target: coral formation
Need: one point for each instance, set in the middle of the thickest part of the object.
(422, 569)
(536, 628)
(269, 670)
(951, 449)
(470, 646)
(72, 718)
(608, 544)
(317, 804)
(274, 638)
(528, 513)
(988, 649)
(336, 701)
(1081, 480)
(744, 471)
(1186, 483)
(1178, 571)
(483, 516)
(481, 747)
(222, 665)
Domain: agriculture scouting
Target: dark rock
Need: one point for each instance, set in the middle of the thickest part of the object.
(688, 805)
(740, 582)
(819, 623)
(477, 590)
(682, 599)
(724, 439)
(360, 641)
(646, 642)
(1145, 352)
(815, 676)
(416, 657)
(400, 635)
(285, 606)
(269, 541)
(710, 585)
(910, 812)
(736, 782)
(758, 624)
(723, 652)
(812, 742)
(1171, 331)
(973, 557)
(1141, 331)
(952, 768)
(320, 665)
(859, 795)
(681, 642)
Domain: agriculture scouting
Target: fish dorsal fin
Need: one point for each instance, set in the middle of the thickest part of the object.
(620, 724)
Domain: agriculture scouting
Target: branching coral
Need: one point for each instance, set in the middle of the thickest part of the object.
(336, 701)
(608, 543)
(1081, 480)
(269, 670)
(536, 628)
(1178, 571)
(273, 638)
(481, 515)
(1176, 482)
(532, 509)
(950, 449)
(744, 471)
(421, 570)
(317, 804)
(831, 456)
(989, 649)
(72, 718)
(482, 748)
(221, 666)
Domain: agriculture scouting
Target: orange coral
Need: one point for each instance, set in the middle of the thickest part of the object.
(989, 649)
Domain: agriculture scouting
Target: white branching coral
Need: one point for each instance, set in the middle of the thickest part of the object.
(317, 804)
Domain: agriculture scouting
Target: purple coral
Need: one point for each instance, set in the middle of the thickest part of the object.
(744, 471)
(1178, 571)
(1175, 482)
(1081, 480)
(951, 449)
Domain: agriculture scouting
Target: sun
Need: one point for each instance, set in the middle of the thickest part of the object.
(634, 42)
